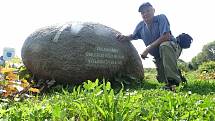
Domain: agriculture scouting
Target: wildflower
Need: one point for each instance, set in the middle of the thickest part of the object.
(19, 88)
(2, 91)
(189, 92)
(131, 93)
(34, 90)
(100, 92)
(199, 102)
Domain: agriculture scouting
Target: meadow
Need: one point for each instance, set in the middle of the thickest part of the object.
(101, 100)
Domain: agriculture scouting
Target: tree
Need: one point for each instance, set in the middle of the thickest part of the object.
(209, 51)
(207, 54)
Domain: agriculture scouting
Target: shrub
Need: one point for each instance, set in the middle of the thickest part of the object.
(207, 70)
(207, 66)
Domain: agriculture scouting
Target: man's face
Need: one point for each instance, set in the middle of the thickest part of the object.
(148, 14)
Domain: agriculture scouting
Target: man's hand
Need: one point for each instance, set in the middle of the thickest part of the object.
(123, 37)
(145, 52)
(144, 55)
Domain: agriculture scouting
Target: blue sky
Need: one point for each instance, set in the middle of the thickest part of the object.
(20, 18)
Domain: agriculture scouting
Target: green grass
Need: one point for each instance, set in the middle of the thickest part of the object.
(101, 101)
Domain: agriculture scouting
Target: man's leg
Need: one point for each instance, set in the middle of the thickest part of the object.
(169, 52)
(160, 71)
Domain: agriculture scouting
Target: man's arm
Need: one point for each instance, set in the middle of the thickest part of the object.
(124, 38)
(163, 38)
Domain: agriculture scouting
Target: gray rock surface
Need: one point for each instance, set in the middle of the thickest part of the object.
(74, 52)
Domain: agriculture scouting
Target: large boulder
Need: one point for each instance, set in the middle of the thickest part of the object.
(74, 52)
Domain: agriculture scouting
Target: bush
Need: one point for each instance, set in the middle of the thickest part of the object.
(207, 70)
(207, 66)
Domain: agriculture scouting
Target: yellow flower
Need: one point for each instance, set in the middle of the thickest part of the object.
(24, 83)
(34, 90)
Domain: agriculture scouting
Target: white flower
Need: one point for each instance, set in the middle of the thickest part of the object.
(2, 91)
(131, 93)
(99, 93)
(199, 102)
(19, 88)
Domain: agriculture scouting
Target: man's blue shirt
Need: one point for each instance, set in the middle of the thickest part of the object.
(159, 26)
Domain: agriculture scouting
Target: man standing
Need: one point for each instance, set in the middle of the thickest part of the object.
(160, 43)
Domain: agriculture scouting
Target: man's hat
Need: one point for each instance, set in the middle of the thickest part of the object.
(144, 6)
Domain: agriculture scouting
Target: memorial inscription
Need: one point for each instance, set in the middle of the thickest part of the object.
(104, 57)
